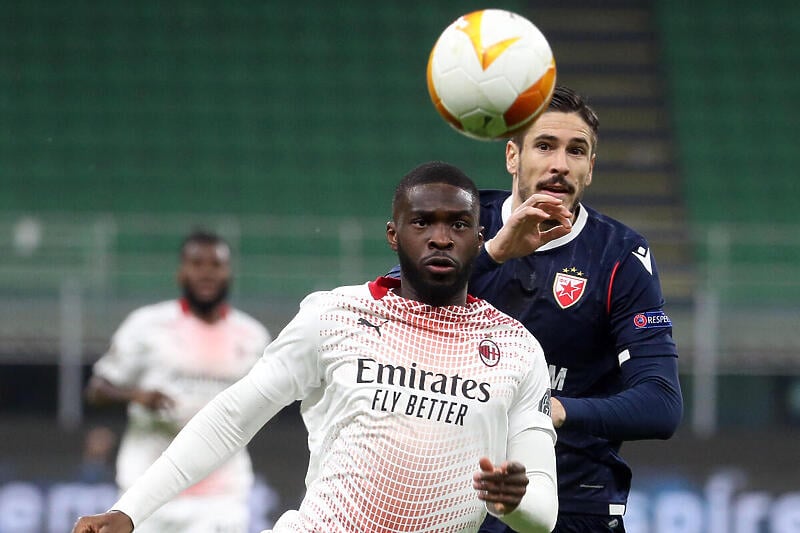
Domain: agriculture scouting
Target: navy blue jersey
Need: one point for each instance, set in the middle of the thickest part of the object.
(593, 300)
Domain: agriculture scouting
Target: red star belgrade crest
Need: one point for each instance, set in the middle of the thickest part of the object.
(568, 289)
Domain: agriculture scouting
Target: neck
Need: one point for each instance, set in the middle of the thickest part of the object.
(433, 296)
(206, 313)
(209, 316)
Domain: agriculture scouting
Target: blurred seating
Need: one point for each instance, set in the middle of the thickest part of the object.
(731, 72)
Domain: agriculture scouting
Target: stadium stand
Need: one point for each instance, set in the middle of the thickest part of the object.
(731, 89)
(612, 54)
(123, 125)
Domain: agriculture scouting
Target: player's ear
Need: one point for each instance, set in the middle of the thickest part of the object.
(512, 157)
(591, 170)
(481, 238)
(391, 235)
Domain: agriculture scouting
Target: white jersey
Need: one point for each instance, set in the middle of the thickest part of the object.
(165, 347)
(400, 400)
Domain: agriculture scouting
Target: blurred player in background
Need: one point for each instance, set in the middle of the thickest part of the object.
(167, 361)
(592, 296)
(425, 407)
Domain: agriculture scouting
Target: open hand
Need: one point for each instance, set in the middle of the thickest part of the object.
(501, 487)
(153, 400)
(522, 233)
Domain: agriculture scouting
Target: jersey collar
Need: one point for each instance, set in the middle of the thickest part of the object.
(383, 284)
(186, 309)
(577, 226)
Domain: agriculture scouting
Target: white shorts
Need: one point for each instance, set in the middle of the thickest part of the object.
(199, 515)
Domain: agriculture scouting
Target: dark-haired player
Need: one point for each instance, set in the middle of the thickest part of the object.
(589, 290)
(166, 361)
(425, 407)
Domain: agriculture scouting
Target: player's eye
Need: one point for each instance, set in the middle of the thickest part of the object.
(578, 150)
(460, 225)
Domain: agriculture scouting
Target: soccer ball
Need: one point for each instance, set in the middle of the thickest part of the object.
(491, 73)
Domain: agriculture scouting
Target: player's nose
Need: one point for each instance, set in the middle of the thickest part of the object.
(440, 237)
(558, 162)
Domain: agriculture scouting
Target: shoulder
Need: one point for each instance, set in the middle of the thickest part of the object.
(614, 232)
(338, 297)
(493, 197)
(492, 201)
(154, 313)
(507, 327)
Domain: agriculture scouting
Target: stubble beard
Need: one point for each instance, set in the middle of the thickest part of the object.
(436, 294)
(525, 193)
(205, 306)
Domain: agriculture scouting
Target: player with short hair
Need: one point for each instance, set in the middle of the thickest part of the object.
(425, 406)
(592, 296)
(168, 360)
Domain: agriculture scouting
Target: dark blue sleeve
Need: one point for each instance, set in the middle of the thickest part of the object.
(636, 293)
(650, 407)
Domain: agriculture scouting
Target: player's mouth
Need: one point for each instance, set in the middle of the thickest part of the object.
(439, 264)
(206, 289)
(559, 189)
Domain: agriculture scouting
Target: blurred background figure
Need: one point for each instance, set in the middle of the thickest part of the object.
(166, 361)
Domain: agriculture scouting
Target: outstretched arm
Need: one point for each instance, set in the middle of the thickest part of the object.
(100, 391)
(219, 430)
(650, 407)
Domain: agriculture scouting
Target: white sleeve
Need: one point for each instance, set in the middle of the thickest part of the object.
(287, 371)
(539, 507)
(531, 441)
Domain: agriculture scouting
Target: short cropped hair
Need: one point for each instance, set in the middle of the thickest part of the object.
(565, 100)
(202, 236)
(434, 172)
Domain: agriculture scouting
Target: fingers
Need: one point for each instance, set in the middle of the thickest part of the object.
(84, 525)
(110, 522)
(541, 198)
(547, 203)
(513, 467)
(540, 207)
(503, 486)
(526, 231)
(486, 464)
(156, 400)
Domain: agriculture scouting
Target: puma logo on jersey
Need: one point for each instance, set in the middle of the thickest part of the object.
(365, 322)
(643, 255)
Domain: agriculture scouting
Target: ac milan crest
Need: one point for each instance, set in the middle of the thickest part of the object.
(489, 352)
(568, 289)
